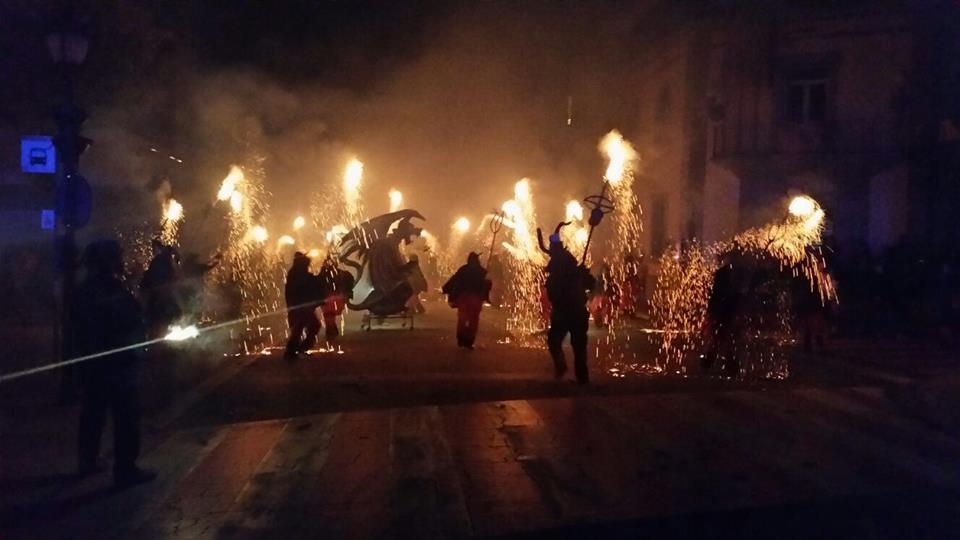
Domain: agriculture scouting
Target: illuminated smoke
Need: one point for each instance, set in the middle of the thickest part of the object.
(396, 200)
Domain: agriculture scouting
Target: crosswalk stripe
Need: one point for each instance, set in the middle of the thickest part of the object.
(500, 496)
(297, 457)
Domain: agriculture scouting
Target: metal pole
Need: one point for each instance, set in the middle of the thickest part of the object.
(69, 118)
(586, 247)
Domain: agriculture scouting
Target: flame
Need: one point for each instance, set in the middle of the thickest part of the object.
(396, 200)
(802, 206)
(581, 236)
(259, 234)
(172, 210)
(178, 333)
(352, 175)
(229, 184)
(298, 223)
(462, 225)
(313, 253)
(335, 233)
(236, 201)
(512, 209)
(286, 240)
(620, 153)
(574, 211)
(521, 190)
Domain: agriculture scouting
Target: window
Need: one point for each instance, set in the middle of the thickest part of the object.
(806, 100)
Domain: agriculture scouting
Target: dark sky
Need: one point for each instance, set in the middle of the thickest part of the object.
(449, 101)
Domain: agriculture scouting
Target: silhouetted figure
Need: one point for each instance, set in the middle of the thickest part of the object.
(302, 295)
(497, 277)
(336, 287)
(158, 288)
(466, 291)
(192, 272)
(723, 314)
(567, 286)
(108, 319)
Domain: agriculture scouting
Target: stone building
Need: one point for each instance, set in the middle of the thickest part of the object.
(742, 104)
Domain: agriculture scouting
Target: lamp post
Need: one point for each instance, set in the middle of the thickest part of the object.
(68, 49)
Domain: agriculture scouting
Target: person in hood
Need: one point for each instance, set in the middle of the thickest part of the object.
(467, 290)
(567, 286)
(302, 296)
(108, 326)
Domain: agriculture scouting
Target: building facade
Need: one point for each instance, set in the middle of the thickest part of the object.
(744, 104)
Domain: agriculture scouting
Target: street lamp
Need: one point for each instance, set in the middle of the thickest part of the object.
(68, 47)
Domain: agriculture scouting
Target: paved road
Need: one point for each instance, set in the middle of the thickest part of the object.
(404, 435)
(796, 463)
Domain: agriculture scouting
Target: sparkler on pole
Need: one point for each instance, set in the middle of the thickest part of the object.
(599, 205)
(496, 223)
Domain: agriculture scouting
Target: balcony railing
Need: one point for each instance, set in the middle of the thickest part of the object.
(840, 136)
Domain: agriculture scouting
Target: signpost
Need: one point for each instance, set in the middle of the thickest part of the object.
(48, 220)
(38, 154)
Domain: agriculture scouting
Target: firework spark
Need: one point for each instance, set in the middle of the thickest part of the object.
(623, 243)
(352, 177)
(170, 222)
(229, 184)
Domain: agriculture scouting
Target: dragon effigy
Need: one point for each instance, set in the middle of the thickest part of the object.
(371, 252)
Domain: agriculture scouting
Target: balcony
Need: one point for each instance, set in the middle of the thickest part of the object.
(842, 136)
